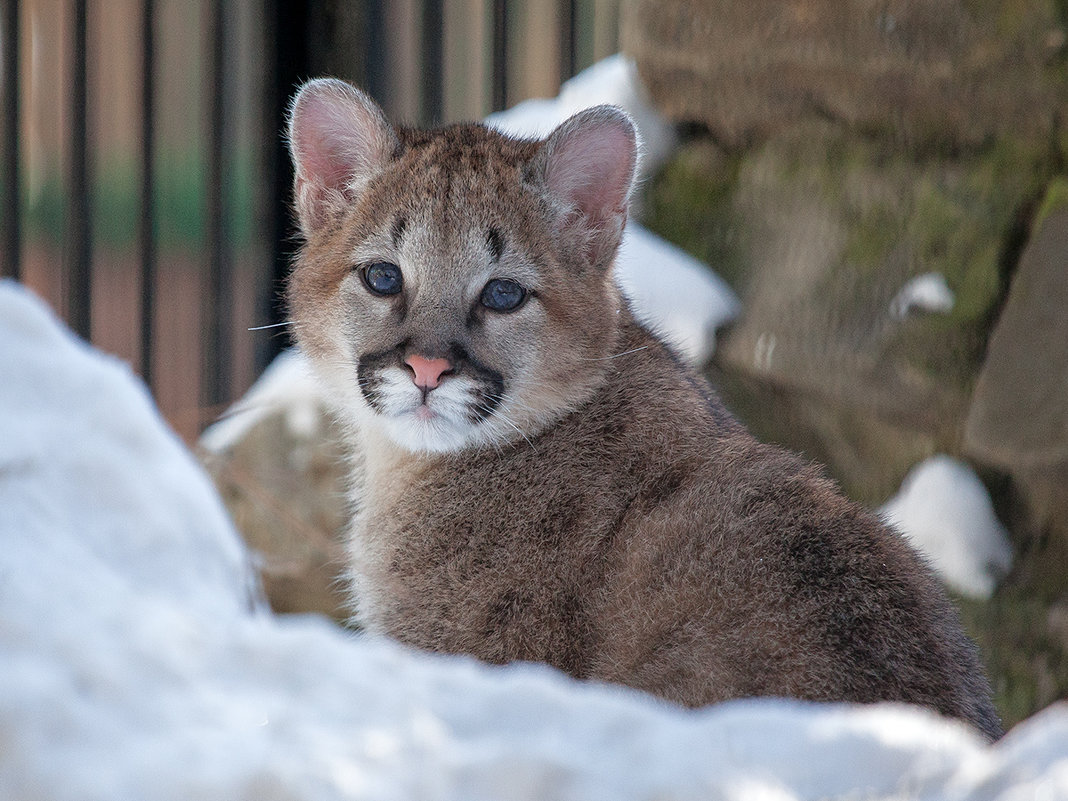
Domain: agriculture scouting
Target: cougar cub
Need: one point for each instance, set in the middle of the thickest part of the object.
(541, 478)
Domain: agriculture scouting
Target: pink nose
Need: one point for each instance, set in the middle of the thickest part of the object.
(428, 372)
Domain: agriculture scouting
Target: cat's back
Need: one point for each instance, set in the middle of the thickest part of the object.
(739, 569)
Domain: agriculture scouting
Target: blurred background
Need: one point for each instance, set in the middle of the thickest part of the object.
(883, 183)
(145, 181)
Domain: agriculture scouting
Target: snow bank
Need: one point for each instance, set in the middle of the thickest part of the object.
(135, 664)
(945, 511)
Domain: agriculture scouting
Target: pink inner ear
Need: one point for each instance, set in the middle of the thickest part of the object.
(338, 138)
(319, 150)
(591, 162)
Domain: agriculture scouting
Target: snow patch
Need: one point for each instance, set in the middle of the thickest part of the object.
(680, 297)
(946, 513)
(926, 293)
(287, 386)
(133, 666)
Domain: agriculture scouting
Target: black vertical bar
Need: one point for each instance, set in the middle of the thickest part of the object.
(376, 79)
(78, 255)
(568, 28)
(147, 233)
(433, 61)
(500, 55)
(9, 257)
(287, 42)
(218, 303)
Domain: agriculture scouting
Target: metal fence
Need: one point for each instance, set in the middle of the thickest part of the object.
(143, 180)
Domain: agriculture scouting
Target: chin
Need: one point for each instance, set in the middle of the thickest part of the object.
(436, 434)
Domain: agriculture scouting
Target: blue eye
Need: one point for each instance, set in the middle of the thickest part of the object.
(383, 278)
(503, 295)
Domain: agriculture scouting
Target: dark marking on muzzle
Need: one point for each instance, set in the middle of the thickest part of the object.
(369, 373)
(487, 394)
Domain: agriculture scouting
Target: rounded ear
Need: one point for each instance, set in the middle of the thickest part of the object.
(338, 139)
(588, 166)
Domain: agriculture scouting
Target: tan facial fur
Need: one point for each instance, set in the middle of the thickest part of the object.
(433, 213)
(549, 483)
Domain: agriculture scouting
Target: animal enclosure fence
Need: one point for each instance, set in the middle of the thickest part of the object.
(143, 179)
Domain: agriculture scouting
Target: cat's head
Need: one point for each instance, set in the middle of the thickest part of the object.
(455, 285)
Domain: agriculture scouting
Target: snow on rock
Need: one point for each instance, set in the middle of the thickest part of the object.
(133, 666)
(287, 386)
(926, 293)
(613, 80)
(945, 511)
(683, 300)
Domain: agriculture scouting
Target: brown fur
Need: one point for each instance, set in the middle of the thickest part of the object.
(633, 531)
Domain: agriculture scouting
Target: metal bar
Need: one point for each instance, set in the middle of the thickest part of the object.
(78, 242)
(433, 27)
(375, 79)
(218, 302)
(568, 38)
(286, 38)
(147, 233)
(9, 249)
(500, 55)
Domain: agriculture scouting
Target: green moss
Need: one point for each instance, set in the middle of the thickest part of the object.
(1055, 199)
(690, 203)
(871, 237)
(1026, 661)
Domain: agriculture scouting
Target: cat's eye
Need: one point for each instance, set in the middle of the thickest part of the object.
(503, 295)
(383, 278)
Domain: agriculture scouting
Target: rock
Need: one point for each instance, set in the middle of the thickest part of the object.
(286, 496)
(1019, 414)
(279, 465)
(927, 72)
(1018, 420)
(820, 233)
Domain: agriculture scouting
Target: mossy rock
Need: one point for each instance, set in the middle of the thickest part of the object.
(285, 490)
(927, 74)
(819, 230)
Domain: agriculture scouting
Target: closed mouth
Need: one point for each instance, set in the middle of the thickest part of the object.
(485, 390)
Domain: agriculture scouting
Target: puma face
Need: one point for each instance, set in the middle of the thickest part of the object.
(442, 342)
(455, 287)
